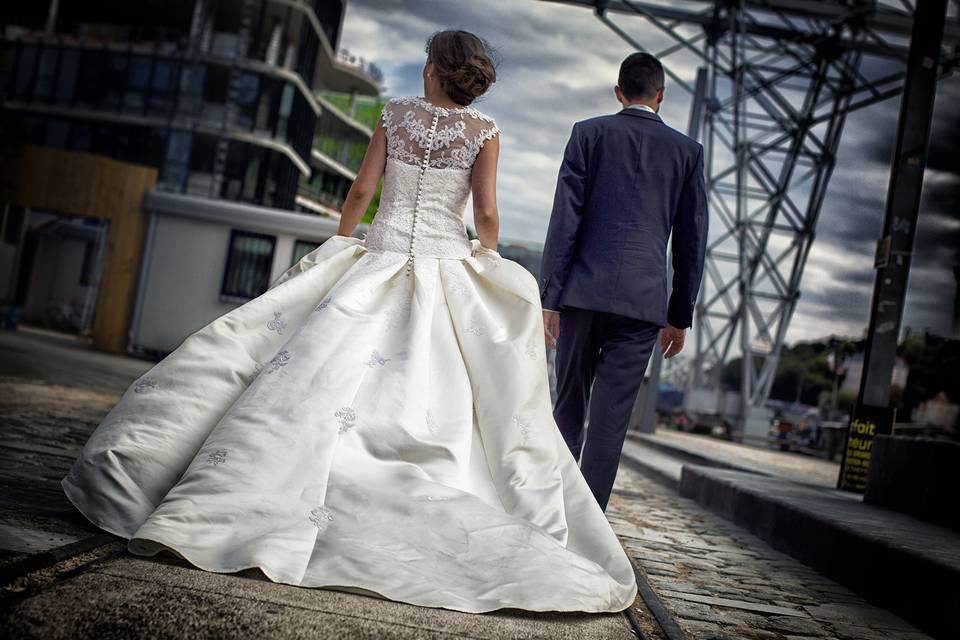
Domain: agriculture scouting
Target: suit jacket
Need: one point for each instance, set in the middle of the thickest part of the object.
(627, 180)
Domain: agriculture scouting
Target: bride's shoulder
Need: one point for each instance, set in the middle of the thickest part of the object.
(401, 100)
(479, 115)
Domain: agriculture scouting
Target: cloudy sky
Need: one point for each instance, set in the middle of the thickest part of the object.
(558, 64)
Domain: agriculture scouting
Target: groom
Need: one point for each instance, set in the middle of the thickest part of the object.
(627, 180)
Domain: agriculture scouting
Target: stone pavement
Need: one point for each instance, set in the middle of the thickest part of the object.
(718, 581)
(53, 393)
(721, 582)
(768, 461)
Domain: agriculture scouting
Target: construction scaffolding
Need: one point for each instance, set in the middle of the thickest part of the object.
(775, 83)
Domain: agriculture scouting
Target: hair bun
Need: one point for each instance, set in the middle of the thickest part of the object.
(472, 78)
(463, 64)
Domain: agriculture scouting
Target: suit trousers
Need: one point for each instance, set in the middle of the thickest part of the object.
(601, 360)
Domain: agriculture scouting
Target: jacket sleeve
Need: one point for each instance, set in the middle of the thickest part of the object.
(689, 246)
(568, 203)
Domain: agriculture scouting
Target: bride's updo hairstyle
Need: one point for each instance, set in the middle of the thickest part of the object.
(464, 64)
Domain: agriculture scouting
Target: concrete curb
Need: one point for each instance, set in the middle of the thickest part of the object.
(657, 475)
(809, 525)
(691, 457)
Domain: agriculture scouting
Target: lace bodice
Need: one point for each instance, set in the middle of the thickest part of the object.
(430, 155)
(459, 136)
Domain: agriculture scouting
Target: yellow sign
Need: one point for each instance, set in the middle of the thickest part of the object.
(865, 423)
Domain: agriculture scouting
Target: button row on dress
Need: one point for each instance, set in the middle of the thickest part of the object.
(416, 205)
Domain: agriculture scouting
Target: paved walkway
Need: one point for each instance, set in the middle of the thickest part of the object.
(53, 393)
(722, 582)
(719, 581)
(794, 466)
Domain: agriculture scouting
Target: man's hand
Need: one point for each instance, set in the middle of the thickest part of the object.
(671, 341)
(551, 328)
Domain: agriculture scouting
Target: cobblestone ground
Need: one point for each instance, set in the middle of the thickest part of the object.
(53, 393)
(788, 465)
(722, 582)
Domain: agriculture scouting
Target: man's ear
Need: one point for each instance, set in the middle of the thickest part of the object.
(660, 95)
(617, 92)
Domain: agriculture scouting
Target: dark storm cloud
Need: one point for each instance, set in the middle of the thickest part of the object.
(558, 65)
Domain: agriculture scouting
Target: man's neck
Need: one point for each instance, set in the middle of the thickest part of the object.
(640, 105)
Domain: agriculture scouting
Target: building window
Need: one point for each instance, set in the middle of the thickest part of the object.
(114, 80)
(173, 174)
(249, 261)
(163, 87)
(23, 80)
(90, 77)
(302, 248)
(67, 76)
(138, 81)
(45, 73)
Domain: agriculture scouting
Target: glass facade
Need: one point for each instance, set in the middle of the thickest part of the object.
(216, 95)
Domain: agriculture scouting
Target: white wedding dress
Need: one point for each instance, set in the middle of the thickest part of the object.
(378, 421)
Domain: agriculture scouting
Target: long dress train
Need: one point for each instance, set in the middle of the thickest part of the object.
(378, 420)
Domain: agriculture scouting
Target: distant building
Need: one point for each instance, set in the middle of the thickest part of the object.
(231, 104)
(938, 411)
(854, 366)
(338, 147)
(527, 254)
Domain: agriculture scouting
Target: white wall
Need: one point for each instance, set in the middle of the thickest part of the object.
(182, 286)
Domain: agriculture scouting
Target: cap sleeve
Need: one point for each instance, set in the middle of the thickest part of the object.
(485, 129)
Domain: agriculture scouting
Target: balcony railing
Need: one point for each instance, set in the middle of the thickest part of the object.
(319, 195)
(357, 62)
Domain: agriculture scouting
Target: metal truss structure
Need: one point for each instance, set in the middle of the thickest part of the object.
(775, 82)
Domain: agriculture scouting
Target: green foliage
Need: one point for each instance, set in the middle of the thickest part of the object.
(374, 205)
(846, 398)
(366, 111)
(803, 372)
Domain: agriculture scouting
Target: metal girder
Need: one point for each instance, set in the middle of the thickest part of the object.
(902, 206)
(881, 20)
(781, 77)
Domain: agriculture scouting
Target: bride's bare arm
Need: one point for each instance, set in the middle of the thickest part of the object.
(363, 188)
(484, 185)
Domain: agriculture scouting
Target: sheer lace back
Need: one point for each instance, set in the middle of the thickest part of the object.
(426, 182)
(460, 133)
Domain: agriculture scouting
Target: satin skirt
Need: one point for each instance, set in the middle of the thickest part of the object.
(363, 427)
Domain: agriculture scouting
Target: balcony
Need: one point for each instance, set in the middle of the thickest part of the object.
(336, 73)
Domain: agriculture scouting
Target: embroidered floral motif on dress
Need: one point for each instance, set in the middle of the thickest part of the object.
(532, 349)
(145, 384)
(347, 418)
(216, 456)
(321, 517)
(279, 360)
(523, 426)
(432, 425)
(276, 324)
(376, 360)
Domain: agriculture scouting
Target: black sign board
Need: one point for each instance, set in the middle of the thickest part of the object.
(866, 422)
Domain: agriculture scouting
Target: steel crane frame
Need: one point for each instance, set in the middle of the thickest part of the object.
(777, 81)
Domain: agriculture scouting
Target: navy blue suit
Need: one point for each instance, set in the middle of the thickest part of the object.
(627, 181)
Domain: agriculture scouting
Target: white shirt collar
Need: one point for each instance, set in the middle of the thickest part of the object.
(642, 107)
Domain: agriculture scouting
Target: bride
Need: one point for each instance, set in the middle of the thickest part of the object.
(379, 420)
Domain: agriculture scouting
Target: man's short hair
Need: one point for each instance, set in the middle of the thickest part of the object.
(641, 76)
